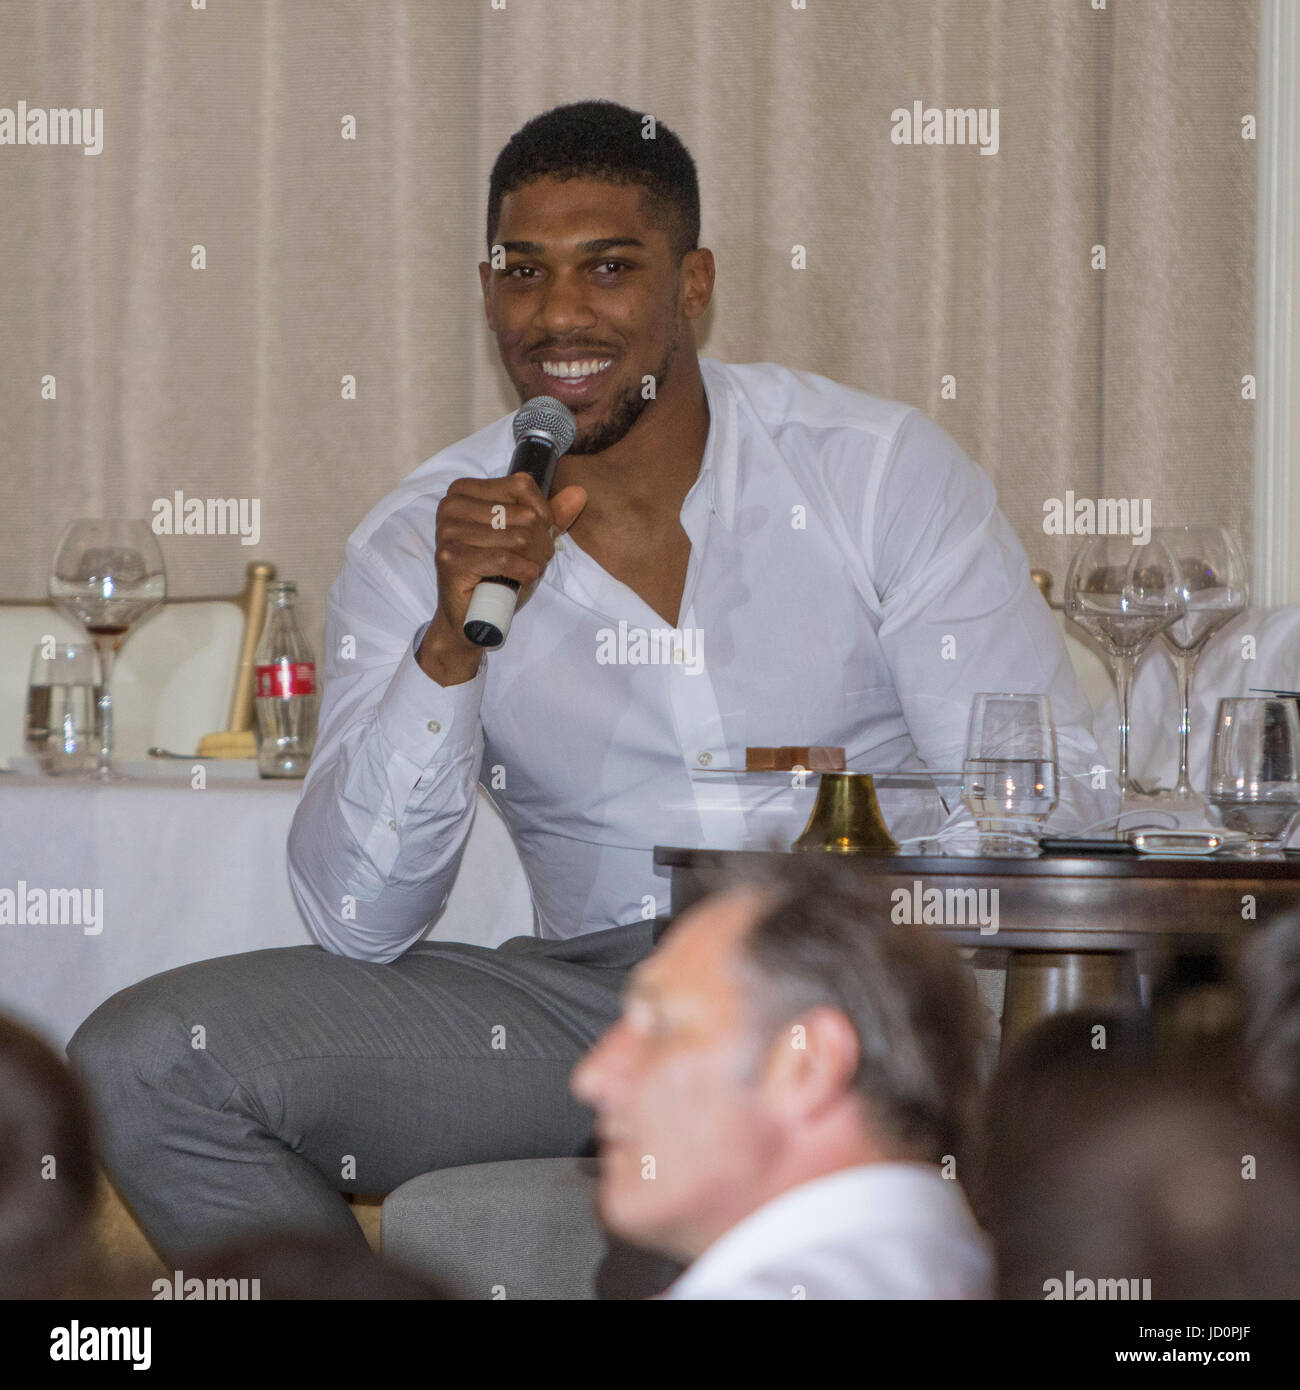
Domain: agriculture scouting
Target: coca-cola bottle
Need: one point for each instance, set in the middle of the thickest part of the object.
(286, 688)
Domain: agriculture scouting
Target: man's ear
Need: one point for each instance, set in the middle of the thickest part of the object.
(485, 283)
(699, 276)
(811, 1063)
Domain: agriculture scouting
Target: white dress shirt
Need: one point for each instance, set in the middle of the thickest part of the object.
(884, 1230)
(851, 582)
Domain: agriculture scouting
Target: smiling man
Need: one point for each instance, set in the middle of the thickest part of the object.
(844, 577)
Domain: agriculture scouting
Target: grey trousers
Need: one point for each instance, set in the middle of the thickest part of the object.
(241, 1095)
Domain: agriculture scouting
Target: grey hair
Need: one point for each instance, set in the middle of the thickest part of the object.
(824, 937)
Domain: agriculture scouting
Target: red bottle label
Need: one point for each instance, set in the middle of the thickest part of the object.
(287, 678)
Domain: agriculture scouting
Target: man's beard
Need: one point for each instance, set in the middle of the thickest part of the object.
(625, 413)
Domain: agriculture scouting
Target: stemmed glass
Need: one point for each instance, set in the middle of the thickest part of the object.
(108, 575)
(1215, 590)
(1254, 781)
(1124, 594)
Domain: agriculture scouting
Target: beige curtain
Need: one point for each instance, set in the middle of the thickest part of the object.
(328, 257)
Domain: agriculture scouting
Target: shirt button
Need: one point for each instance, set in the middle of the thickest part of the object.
(392, 825)
(434, 727)
(704, 759)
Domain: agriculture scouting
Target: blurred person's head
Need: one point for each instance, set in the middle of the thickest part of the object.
(1183, 1188)
(1065, 1066)
(1270, 981)
(1196, 1014)
(47, 1169)
(784, 1029)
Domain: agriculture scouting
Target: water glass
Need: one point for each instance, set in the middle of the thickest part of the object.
(1254, 782)
(63, 694)
(1009, 775)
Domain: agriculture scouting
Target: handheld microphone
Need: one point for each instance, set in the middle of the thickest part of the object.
(544, 429)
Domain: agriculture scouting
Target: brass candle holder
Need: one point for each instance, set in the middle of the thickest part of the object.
(846, 818)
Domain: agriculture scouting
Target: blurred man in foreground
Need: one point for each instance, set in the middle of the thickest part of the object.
(784, 1093)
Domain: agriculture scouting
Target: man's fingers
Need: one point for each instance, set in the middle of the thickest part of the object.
(497, 527)
(528, 540)
(476, 563)
(566, 507)
(478, 511)
(517, 488)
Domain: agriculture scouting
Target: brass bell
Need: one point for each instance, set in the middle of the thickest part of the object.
(847, 818)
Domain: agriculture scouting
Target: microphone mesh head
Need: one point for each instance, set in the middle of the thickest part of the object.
(545, 415)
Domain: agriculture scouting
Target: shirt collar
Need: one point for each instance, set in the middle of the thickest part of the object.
(857, 1200)
(715, 485)
(717, 479)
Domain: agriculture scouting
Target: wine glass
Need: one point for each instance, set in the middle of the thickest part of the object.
(108, 575)
(1009, 775)
(1124, 594)
(1215, 590)
(1254, 781)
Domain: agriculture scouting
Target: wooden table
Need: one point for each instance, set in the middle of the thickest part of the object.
(1073, 928)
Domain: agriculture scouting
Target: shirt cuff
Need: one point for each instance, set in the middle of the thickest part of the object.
(426, 722)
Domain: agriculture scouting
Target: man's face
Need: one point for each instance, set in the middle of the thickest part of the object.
(589, 282)
(685, 1126)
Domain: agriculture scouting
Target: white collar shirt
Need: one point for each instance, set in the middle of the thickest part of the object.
(879, 1231)
(851, 582)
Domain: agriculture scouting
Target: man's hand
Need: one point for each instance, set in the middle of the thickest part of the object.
(486, 528)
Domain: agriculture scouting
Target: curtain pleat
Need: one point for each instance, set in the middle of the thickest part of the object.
(329, 258)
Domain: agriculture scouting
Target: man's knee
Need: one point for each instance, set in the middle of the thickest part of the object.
(136, 1040)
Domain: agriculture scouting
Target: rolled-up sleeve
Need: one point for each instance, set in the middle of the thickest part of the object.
(961, 614)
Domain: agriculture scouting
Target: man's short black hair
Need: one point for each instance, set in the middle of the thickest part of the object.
(603, 140)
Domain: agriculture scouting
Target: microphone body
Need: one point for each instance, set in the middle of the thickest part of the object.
(542, 435)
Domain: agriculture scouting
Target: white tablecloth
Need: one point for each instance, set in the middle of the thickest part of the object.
(189, 874)
(185, 875)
